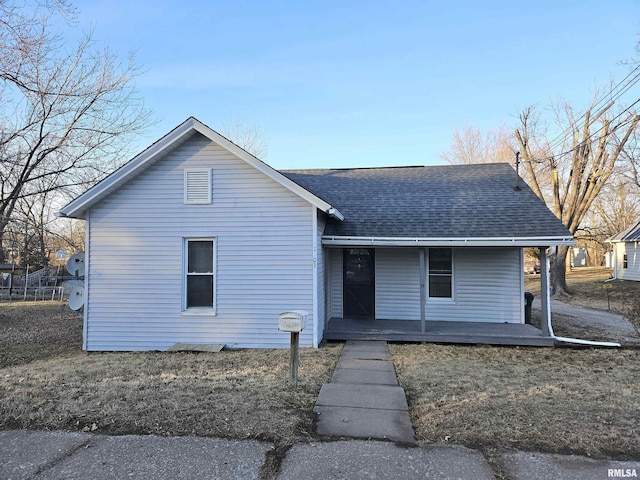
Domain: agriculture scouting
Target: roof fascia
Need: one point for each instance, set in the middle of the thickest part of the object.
(336, 241)
(142, 161)
(629, 234)
(77, 207)
(267, 170)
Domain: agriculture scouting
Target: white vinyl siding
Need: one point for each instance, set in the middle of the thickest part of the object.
(197, 186)
(335, 282)
(487, 287)
(264, 250)
(397, 284)
(632, 251)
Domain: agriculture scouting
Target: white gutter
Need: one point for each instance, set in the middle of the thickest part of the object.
(335, 213)
(449, 241)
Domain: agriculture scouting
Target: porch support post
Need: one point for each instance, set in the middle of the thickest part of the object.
(545, 294)
(423, 291)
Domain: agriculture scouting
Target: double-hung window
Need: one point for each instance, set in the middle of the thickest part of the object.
(440, 273)
(199, 273)
(625, 261)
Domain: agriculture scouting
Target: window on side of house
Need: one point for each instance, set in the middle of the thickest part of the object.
(199, 273)
(625, 262)
(197, 186)
(440, 273)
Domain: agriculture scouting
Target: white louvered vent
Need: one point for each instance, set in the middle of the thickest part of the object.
(197, 186)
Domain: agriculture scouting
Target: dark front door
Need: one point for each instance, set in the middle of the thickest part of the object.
(359, 283)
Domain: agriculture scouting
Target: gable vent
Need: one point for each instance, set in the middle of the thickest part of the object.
(197, 186)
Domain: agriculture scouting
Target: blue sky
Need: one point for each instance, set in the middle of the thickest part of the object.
(354, 83)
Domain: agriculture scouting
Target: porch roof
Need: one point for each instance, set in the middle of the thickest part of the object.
(452, 204)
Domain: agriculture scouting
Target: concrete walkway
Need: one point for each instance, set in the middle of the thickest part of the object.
(363, 399)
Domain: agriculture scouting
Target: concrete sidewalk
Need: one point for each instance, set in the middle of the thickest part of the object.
(363, 399)
(79, 456)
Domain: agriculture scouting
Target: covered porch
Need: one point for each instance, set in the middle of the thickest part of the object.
(437, 332)
(391, 295)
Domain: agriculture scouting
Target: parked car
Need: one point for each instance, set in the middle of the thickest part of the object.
(532, 267)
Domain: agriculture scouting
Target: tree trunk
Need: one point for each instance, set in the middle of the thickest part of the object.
(558, 272)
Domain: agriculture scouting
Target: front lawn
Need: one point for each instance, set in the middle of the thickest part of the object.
(583, 401)
(561, 400)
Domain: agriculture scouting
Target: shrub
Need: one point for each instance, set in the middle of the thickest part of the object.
(632, 312)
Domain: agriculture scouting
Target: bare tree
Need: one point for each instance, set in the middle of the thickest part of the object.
(66, 112)
(471, 146)
(568, 172)
(617, 206)
(248, 136)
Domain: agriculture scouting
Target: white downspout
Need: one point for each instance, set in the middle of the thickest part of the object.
(615, 262)
(567, 339)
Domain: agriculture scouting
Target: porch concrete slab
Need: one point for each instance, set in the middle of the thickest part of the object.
(24, 452)
(137, 456)
(379, 377)
(360, 460)
(394, 425)
(364, 364)
(384, 397)
(365, 355)
(530, 466)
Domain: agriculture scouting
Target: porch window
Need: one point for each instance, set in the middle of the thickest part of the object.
(625, 262)
(440, 273)
(199, 272)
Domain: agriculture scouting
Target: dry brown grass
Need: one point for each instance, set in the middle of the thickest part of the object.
(234, 394)
(47, 382)
(586, 286)
(37, 330)
(552, 400)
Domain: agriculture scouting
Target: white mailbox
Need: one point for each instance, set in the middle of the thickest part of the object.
(293, 321)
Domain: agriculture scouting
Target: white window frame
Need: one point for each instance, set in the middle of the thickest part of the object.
(197, 201)
(185, 264)
(441, 299)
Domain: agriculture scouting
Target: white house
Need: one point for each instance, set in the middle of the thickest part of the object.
(197, 241)
(626, 253)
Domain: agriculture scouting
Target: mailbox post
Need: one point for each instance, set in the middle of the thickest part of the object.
(294, 322)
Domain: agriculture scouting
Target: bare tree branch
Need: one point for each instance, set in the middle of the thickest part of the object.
(67, 112)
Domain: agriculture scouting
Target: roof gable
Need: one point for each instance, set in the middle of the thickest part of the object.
(180, 134)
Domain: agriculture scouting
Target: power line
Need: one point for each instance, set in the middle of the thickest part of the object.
(610, 97)
(589, 138)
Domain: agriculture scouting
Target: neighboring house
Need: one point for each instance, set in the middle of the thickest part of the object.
(626, 253)
(578, 257)
(197, 241)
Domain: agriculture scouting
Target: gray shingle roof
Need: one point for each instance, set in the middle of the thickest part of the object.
(449, 201)
(630, 234)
